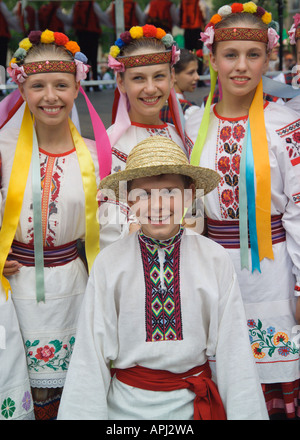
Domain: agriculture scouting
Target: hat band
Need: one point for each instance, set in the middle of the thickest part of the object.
(146, 59)
(50, 67)
(298, 33)
(227, 34)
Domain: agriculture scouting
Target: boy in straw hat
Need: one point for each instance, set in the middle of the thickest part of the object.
(158, 304)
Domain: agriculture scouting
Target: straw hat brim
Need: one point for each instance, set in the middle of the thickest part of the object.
(203, 178)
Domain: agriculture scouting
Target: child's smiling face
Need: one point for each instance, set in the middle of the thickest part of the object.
(147, 89)
(159, 202)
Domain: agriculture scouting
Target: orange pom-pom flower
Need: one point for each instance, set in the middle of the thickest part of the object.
(215, 19)
(160, 33)
(72, 47)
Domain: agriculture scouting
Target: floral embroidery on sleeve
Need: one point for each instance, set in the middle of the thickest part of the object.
(291, 138)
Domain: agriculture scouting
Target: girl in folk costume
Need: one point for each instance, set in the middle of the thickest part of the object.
(141, 58)
(255, 148)
(294, 35)
(186, 80)
(48, 188)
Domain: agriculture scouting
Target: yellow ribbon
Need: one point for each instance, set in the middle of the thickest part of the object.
(15, 193)
(87, 169)
(263, 174)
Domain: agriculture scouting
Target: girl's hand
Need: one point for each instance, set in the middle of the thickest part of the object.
(11, 267)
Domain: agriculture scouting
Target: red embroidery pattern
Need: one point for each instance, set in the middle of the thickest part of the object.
(291, 136)
(51, 174)
(163, 305)
(228, 155)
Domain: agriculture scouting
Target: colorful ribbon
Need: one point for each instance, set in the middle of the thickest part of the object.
(14, 200)
(263, 174)
(202, 133)
(37, 221)
(256, 157)
(250, 185)
(90, 191)
(101, 138)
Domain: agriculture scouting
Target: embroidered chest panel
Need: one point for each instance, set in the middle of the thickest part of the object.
(230, 138)
(52, 170)
(162, 282)
(121, 156)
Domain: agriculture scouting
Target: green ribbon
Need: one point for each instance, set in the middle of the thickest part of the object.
(202, 133)
(37, 221)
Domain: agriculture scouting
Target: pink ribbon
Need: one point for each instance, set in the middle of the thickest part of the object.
(102, 140)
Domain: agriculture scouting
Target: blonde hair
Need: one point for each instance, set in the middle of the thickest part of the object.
(143, 43)
(43, 52)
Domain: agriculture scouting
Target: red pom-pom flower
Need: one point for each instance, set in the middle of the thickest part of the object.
(149, 31)
(60, 38)
(237, 7)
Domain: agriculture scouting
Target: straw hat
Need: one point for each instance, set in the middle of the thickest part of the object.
(159, 155)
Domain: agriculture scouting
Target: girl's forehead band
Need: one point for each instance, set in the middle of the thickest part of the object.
(146, 59)
(50, 66)
(228, 34)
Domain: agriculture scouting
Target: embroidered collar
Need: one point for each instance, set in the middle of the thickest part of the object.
(161, 243)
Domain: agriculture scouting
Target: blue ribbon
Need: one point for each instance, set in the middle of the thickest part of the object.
(281, 90)
(251, 202)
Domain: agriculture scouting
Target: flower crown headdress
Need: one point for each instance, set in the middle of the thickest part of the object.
(20, 71)
(255, 208)
(210, 34)
(294, 32)
(119, 63)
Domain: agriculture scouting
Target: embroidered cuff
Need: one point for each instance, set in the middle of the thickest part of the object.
(297, 290)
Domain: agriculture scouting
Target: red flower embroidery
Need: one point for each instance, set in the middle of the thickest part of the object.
(236, 163)
(296, 136)
(227, 197)
(45, 353)
(225, 133)
(223, 164)
(238, 132)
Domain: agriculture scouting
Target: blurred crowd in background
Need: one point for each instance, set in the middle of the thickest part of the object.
(94, 29)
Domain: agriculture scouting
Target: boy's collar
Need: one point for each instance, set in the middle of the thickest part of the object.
(161, 243)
